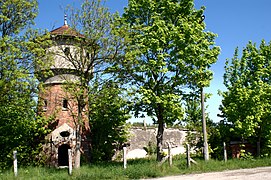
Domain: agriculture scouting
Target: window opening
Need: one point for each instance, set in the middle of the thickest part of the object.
(67, 51)
(65, 133)
(65, 104)
(44, 106)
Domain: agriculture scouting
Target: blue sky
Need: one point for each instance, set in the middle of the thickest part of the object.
(235, 21)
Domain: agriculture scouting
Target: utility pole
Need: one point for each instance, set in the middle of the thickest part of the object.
(205, 143)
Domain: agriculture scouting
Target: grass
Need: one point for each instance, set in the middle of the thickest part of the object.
(136, 169)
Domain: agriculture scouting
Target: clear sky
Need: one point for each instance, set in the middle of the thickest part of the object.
(235, 21)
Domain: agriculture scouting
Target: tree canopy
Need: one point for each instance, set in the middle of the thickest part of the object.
(19, 128)
(246, 103)
(168, 51)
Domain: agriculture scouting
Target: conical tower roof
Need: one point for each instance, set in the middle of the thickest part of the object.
(65, 30)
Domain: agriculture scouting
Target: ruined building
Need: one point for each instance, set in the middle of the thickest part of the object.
(58, 104)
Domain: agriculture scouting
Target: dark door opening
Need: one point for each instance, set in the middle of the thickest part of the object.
(63, 157)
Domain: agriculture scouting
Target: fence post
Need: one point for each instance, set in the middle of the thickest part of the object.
(169, 154)
(144, 124)
(188, 155)
(15, 163)
(124, 158)
(225, 151)
(70, 161)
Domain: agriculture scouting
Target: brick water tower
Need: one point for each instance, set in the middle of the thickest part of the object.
(60, 105)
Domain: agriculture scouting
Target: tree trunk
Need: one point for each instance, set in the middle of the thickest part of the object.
(160, 133)
(205, 143)
(159, 139)
(77, 148)
(78, 133)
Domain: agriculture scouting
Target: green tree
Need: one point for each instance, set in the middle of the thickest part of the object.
(246, 103)
(109, 113)
(20, 129)
(168, 51)
(192, 109)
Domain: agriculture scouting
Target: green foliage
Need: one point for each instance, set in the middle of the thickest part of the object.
(167, 49)
(193, 122)
(15, 15)
(108, 116)
(151, 148)
(246, 102)
(246, 155)
(20, 129)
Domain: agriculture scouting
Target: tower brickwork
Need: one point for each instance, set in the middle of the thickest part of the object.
(60, 105)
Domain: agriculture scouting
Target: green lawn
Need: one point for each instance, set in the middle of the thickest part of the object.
(136, 169)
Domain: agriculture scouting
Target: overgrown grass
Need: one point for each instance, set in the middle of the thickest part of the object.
(136, 169)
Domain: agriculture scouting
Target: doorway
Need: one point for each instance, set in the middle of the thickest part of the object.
(63, 157)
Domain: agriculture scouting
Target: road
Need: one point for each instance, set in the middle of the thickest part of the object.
(261, 173)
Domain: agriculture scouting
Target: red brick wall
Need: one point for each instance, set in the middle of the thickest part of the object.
(54, 94)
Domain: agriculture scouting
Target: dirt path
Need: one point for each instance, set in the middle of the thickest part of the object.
(261, 173)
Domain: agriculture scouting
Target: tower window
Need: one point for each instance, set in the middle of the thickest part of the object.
(64, 133)
(65, 104)
(44, 105)
(67, 51)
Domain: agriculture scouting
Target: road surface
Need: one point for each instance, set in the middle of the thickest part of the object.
(261, 173)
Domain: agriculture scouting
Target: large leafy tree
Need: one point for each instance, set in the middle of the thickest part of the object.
(246, 103)
(19, 129)
(168, 52)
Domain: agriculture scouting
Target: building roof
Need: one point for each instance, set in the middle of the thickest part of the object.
(65, 30)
